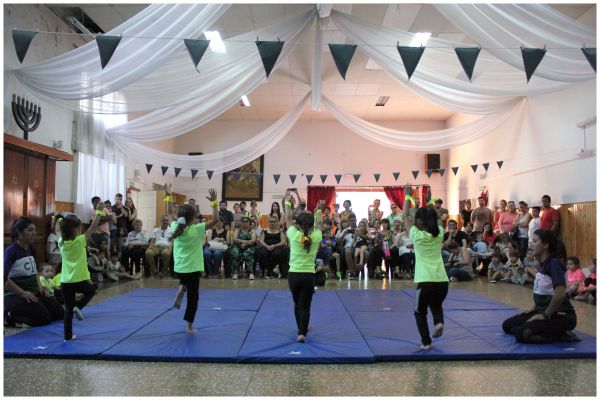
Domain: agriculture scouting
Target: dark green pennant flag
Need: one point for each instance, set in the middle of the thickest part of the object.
(356, 177)
(486, 166)
(276, 178)
(107, 46)
(376, 176)
(236, 176)
(410, 57)
(455, 170)
(196, 48)
(474, 167)
(210, 174)
(293, 178)
(177, 171)
(499, 164)
(194, 172)
(590, 54)
(342, 55)
(415, 173)
(396, 175)
(531, 60)
(269, 51)
(148, 167)
(323, 178)
(22, 41)
(428, 172)
(338, 178)
(442, 171)
(309, 178)
(467, 57)
(164, 170)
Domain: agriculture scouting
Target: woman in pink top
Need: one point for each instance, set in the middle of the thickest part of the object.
(507, 219)
(575, 276)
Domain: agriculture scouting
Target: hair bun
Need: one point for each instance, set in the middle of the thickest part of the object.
(181, 221)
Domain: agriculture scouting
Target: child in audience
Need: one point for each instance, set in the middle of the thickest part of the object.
(514, 264)
(530, 266)
(52, 242)
(495, 267)
(458, 268)
(587, 290)
(575, 276)
(46, 272)
(360, 244)
(327, 251)
(481, 253)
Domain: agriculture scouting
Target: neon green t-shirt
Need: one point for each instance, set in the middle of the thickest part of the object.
(300, 259)
(74, 260)
(429, 266)
(48, 284)
(56, 280)
(187, 248)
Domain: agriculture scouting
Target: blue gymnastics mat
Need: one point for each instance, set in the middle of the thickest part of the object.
(258, 326)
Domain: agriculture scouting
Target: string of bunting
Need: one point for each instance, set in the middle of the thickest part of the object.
(237, 175)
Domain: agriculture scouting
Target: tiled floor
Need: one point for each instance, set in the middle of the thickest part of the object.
(33, 377)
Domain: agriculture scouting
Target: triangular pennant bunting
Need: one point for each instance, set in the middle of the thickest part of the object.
(356, 177)
(531, 60)
(196, 48)
(236, 176)
(499, 164)
(590, 54)
(455, 170)
(410, 57)
(338, 178)
(276, 178)
(293, 178)
(164, 170)
(194, 172)
(467, 57)
(428, 172)
(323, 178)
(22, 41)
(107, 46)
(342, 55)
(474, 167)
(376, 176)
(148, 167)
(269, 52)
(309, 178)
(177, 171)
(486, 166)
(442, 171)
(396, 175)
(415, 173)
(210, 174)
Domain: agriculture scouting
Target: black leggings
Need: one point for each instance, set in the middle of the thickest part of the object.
(539, 331)
(191, 280)
(302, 285)
(429, 295)
(269, 259)
(69, 290)
(39, 313)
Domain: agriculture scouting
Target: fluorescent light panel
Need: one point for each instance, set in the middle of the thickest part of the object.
(245, 101)
(420, 39)
(216, 43)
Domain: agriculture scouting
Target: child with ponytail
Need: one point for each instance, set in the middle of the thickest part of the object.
(304, 237)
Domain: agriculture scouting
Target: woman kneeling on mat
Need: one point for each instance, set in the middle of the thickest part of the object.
(552, 316)
(304, 239)
(430, 275)
(188, 255)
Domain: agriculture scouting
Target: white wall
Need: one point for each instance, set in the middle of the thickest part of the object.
(539, 148)
(57, 123)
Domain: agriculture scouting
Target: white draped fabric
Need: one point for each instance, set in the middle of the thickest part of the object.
(503, 28)
(221, 161)
(215, 93)
(78, 74)
(421, 141)
(317, 67)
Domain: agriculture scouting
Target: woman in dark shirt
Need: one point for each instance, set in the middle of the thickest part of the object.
(552, 315)
(213, 255)
(271, 240)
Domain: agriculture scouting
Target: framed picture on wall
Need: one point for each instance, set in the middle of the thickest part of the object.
(246, 182)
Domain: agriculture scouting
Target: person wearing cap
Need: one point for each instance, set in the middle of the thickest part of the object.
(442, 211)
(481, 215)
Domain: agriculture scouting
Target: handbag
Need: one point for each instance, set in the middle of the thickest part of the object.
(215, 245)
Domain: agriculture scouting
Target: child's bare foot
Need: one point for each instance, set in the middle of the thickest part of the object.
(190, 329)
(301, 339)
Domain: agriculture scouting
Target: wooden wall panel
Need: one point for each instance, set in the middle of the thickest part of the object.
(578, 230)
(64, 206)
(15, 181)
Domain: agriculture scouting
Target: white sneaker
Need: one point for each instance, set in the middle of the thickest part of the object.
(78, 313)
(251, 277)
(439, 330)
(72, 338)
(425, 347)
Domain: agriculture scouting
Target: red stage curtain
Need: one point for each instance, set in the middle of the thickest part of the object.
(395, 194)
(424, 195)
(316, 193)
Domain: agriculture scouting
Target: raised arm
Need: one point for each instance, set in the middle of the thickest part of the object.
(288, 208)
(212, 197)
(406, 217)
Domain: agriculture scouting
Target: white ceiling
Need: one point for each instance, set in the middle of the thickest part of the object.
(364, 83)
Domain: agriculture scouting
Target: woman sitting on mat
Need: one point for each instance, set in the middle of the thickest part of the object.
(552, 315)
(304, 238)
(426, 234)
(188, 256)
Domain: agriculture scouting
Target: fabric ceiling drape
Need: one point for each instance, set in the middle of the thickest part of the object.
(316, 193)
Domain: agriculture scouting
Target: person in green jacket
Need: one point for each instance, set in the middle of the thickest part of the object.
(426, 234)
(188, 255)
(304, 237)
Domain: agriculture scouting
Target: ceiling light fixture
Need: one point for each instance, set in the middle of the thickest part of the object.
(216, 43)
(420, 39)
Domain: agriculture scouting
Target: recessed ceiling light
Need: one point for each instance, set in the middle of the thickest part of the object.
(420, 39)
(216, 43)
(244, 102)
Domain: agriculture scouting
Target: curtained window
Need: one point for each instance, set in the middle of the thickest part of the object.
(316, 193)
(424, 195)
(395, 194)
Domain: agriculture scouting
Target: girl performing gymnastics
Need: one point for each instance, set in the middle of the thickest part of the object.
(304, 240)
(426, 234)
(188, 256)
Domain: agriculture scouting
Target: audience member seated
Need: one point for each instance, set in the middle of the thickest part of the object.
(488, 235)
(407, 256)
(397, 242)
(215, 249)
(458, 266)
(481, 216)
(575, 276)
(244, 246)
(345, 238)
(481, 253)
(328, 250)
(135, 249)
(495, 268)
(360, 244)
(587, 290)
(530, 266)
(224, 214)
(270, 254)
(227, 261)
(276, 211)
(159, 245)
(381, 249)
(395, 214)
(25, 301)
(453, 236)
(515, 266)
(46, 276)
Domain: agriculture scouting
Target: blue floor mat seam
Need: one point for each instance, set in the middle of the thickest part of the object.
(237, 357)
(356, 326)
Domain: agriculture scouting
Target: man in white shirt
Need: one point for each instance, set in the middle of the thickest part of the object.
(160, 245)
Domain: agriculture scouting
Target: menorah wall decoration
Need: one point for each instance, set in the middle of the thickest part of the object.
(27, 115)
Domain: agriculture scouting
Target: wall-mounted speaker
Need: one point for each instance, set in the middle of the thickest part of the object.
(432, 161)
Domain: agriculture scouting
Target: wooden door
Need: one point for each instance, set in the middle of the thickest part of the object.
(15, 184)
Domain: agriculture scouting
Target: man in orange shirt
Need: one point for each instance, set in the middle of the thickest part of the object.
(550, 216)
